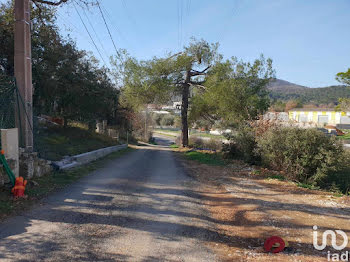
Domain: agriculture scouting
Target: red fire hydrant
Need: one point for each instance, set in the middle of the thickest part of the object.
(19, 188)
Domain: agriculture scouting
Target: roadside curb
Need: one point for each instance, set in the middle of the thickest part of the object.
(78, 160)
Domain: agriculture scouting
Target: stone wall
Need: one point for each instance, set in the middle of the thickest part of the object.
(38, 167)
(30, 165)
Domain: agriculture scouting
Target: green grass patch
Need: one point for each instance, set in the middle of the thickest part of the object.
(308, 186)
(174, 146)
(206, 158)
(277, 177)
(338, 194)
(338, 182)
(53, 143)
(344, 137)
(43, 186)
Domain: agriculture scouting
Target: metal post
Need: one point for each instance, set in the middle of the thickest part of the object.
(23, 72)
(146, 113)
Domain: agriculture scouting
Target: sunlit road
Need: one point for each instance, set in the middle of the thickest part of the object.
(140, 207)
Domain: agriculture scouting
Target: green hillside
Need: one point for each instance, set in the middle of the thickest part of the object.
(283, 90)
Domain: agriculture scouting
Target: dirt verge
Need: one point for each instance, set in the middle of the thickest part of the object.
(248, 209)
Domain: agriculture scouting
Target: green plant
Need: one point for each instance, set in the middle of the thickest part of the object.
(277, 177)
(213, 144)
(305, 155)
(242, 145)
(167, 120)
(338, 182)
(196, 142)
(205, 158)
(156, 118)
(308, 186)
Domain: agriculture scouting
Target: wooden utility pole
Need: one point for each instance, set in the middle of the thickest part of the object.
(184, 108)
(23, 73)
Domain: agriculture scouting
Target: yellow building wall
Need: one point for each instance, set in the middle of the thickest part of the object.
(334, 117)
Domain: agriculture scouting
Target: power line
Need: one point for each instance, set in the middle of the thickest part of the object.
(178, 23)
(128, 13)
(231, 14)
(109, 32)
(181, 21)
(111, 20)
(188, 7)
(93, 29)
(114, 26)
(76, 28)
(98, 50)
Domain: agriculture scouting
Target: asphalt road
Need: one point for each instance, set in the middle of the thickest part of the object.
(140, 207)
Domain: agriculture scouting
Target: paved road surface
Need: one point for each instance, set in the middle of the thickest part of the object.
(140, 207)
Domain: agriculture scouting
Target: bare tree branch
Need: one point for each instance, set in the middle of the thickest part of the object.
(179, 53)
(40, 11)
(197, 73)
(197, 85)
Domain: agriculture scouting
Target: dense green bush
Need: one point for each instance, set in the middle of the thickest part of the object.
(167, 120)
(156, 118)
(242, 145)
(305, 155)
(195, 142)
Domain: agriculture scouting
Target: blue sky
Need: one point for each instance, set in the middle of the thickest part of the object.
(308, 40)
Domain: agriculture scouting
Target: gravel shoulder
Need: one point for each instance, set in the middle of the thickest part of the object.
(248, 210)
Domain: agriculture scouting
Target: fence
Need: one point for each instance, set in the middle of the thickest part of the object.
(10, 102)
(7, 103)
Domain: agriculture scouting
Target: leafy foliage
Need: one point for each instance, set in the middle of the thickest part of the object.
(235, 91)
(242, 144)
(159, 79)
(344, 101)
(167, 120)
(67, 82)
(344, 77)
(305, 155)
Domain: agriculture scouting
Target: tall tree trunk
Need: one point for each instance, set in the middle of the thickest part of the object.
(184, 110)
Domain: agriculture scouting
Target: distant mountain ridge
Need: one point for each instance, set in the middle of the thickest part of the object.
(284, 90)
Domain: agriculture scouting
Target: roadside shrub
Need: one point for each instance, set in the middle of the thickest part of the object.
(195, 142)
(177, 122)
(178, 140)
(242, 145)
(156, 118)
(305, 155)
(212, 144)
(167, 120)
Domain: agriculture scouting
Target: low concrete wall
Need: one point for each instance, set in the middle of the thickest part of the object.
(85, 158)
